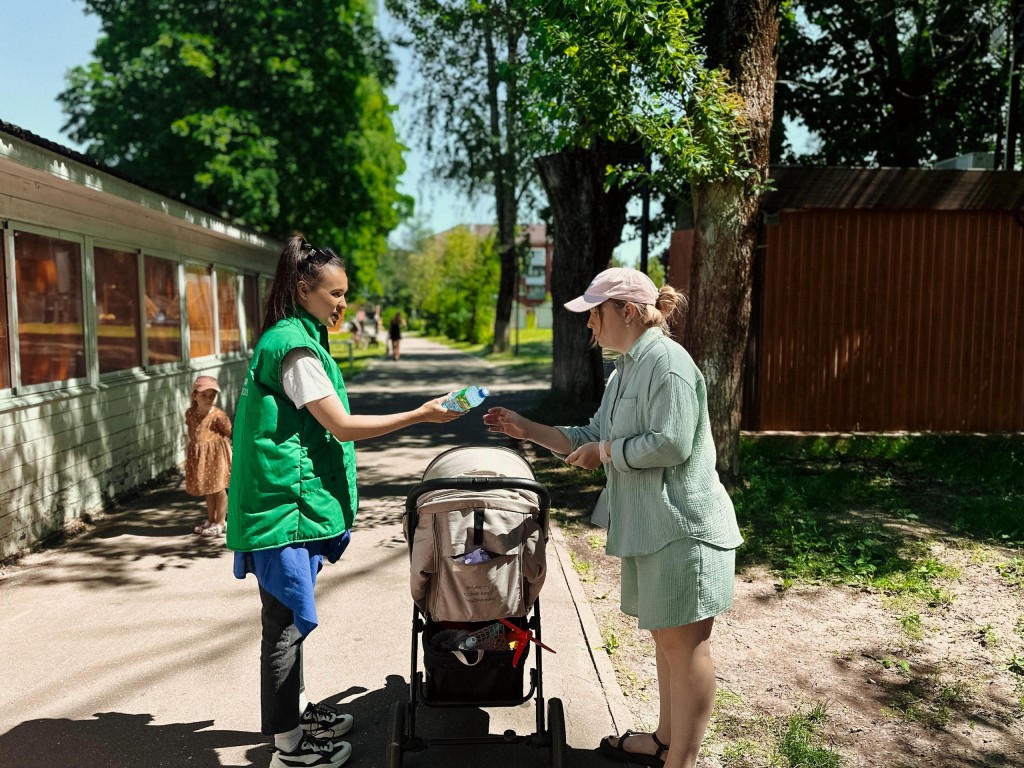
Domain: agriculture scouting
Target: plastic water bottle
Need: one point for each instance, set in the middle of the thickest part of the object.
(467, 398)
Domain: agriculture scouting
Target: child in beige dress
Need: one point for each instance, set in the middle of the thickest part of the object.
(208, 455)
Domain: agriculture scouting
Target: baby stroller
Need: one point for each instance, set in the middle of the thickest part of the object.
(476, 527)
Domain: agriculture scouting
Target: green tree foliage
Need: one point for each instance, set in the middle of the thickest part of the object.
(893, 82)
(633, 72)
(274, 113)
(455, 283)
(394, 270)
(468, 56)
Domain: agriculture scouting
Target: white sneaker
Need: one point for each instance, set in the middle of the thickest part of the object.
(313, 751)
(325, 721)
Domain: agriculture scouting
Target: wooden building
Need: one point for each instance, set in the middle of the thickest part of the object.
(114, 299)
(885, 300)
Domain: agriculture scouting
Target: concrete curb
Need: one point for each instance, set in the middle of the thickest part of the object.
(620, 714)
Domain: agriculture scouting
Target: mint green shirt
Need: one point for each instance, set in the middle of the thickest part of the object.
(662, 482)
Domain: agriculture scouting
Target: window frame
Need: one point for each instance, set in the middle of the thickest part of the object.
(210, 269)
(247, 348)
(88, 327)
(182, 311)
(7, 268)
(140, 292)
(218, 271)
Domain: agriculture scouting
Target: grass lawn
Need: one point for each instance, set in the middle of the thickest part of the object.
(351, 358)
(530, 348)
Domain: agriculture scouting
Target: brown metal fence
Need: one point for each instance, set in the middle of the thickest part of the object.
(879, 320)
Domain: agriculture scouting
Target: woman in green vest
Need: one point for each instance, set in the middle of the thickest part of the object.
(293, 492)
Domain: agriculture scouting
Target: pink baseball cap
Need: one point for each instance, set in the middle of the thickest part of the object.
(620, 283)
(206, 382)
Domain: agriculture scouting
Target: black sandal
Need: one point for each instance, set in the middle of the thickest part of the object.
(618, 752)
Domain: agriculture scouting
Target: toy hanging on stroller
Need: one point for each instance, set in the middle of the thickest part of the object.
(477, 526)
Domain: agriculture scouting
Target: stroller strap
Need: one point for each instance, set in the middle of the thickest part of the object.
(463, 656)
(478, 527)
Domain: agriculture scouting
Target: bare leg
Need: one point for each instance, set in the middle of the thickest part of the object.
(216, 511)
(221, 508)
(211, 509)
(396, 345)
(684, 654)
(686, 690)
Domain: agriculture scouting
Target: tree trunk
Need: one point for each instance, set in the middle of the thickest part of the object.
(504, 195)
(1016, 48)
(587, 222)
(725, 234)
(743, 42)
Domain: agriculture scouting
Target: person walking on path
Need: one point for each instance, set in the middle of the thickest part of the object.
(395, 335)
(208, 454)
(296, 498)
(670, 519)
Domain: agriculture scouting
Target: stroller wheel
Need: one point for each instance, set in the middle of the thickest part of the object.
(556, 727)
(397, 740)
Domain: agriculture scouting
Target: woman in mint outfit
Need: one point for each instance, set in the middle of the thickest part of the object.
(670, 519)
(293, 493)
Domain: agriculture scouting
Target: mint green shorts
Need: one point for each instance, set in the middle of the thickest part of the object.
(683, 582)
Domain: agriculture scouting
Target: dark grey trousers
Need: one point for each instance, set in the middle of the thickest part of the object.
(280, 666)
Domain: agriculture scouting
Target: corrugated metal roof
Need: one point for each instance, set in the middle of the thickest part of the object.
(59, 149)
(803, 187)
(38, 141)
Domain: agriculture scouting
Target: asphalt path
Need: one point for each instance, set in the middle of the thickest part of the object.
(133, 646)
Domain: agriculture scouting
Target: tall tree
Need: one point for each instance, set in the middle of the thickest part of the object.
(741, 38)
(615, 81)
(274, 113)
(468, 53)
(896, 82)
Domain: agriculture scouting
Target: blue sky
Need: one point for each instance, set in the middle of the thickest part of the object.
(42, 39)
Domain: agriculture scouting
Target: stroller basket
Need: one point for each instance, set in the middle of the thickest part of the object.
(475, 675)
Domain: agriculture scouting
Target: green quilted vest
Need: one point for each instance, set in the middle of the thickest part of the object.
(291, 479)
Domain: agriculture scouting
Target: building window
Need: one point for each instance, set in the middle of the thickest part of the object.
(5, 346)
(48, 280)
(251, 306)
(163, 311)
(199, 295)
(227, 312)
(119, 342)
(536, 267)
(266, 285)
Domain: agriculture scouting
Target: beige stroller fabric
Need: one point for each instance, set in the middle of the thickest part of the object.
(452, 524)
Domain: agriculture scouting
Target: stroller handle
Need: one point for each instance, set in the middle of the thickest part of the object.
(467, 483)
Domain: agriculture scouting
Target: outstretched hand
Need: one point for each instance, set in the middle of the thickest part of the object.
(434, 411)
(506, 422)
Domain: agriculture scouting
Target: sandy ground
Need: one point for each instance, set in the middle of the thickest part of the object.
(945, 698)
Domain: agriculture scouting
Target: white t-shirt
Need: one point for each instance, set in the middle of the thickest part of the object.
(303, 377)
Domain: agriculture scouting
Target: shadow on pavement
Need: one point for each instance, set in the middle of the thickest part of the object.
(372, 713)
(119, 740)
